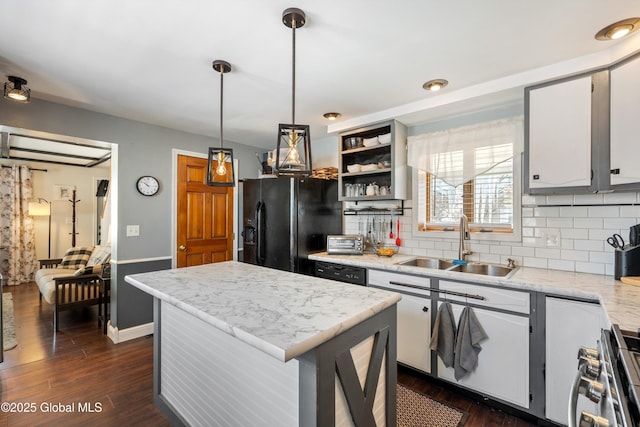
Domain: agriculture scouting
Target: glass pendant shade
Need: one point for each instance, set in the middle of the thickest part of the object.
(220, 171)
(220, 167)
(293, 153)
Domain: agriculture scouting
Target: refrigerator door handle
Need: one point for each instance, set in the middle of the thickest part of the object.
(260, 233)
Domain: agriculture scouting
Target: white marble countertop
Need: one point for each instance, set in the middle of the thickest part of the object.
(281, 313)
(621, 301)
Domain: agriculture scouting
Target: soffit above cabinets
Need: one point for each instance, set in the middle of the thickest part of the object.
(17, 146)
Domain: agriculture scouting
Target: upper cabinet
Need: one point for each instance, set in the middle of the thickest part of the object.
(373, 162)
(580, 131)
(625, 124)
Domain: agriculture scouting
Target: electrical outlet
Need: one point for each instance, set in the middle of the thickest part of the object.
(552, 238)
(133, 230)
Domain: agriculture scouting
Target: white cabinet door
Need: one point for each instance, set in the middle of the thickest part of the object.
(414, 332)
(569, 324)
(625, 123)
(414, 322)
(503, 362)
(559, 149)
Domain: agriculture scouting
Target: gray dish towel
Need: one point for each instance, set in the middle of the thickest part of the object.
(470, 335)
(443, 336)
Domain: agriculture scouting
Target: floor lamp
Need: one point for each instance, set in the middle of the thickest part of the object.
(42, 207)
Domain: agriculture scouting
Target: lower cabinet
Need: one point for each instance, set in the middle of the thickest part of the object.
(503, 363)
(414, 317)
(569, 325)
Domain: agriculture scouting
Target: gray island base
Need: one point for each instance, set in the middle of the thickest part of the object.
(241, 345)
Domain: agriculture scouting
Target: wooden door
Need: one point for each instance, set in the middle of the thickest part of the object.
(205, 216)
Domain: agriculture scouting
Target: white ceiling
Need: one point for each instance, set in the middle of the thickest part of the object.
(150, 60)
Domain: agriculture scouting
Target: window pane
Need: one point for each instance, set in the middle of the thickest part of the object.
(446, 201)
(493, 196)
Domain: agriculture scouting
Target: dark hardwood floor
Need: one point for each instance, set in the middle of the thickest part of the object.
(81, 366)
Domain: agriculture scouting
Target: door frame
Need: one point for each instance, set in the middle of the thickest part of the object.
(175, 152)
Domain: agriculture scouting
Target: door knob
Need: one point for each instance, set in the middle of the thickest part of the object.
(182, 248)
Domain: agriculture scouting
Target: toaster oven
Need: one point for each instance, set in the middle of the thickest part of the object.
(345, 244)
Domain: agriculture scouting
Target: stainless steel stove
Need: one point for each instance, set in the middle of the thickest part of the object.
(608, 376)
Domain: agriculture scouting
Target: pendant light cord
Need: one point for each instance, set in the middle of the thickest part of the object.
(221, 95)
(293, 73)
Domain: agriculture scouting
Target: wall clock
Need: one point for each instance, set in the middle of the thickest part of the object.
(147, 185)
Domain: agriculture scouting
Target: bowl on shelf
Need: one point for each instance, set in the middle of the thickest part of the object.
(353, 168)
(384, 139)
(370, 142)
(369, 167)
(352, 142)
(384, 164)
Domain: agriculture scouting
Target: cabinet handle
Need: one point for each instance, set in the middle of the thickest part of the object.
(615, 171)
(425, 309)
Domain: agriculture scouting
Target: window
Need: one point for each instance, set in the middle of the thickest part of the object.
(473, 175)
(487, 200)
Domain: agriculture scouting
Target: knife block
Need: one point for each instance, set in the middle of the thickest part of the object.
(627, 262)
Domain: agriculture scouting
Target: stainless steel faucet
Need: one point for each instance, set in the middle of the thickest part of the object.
(463, 251)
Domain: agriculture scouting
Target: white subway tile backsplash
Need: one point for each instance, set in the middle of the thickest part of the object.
(604, 211)
(560, 199)
(589, 245)
(620, 198)
(588, 199)
(547, 253)
(523, 251)
(574, 211)
(571, 238)
(535, 262)
(546, 211)
(588, 223)
(587, 267)
(574, 233)
(630, 211)
(560, 222)
(574, 255)
(557, 264)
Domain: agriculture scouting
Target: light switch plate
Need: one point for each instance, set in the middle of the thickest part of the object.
(133, 230)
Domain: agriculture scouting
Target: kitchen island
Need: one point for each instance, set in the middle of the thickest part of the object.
(238, 344)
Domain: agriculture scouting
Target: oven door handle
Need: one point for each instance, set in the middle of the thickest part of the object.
(573, 398)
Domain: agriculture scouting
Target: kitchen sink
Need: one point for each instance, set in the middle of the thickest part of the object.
(437, 263)
(484, 269)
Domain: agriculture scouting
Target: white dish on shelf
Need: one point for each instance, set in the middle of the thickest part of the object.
(384, 139)
(384, 164)
(369, 167)
(354, 168)
(370, 142)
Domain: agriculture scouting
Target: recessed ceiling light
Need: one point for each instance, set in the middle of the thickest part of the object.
(435, 85)
(331, 116)
(618, 29)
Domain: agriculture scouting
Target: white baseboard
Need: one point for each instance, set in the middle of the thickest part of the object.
(118, 336)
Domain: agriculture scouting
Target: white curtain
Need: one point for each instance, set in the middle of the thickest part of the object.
(18, 262)
(460, 154)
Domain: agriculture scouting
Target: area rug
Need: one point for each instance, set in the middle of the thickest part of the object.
(417, 410)
(8, 327)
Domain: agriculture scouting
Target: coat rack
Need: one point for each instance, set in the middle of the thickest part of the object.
(73, 218)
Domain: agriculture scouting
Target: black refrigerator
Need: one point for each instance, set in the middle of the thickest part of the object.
(286, 219)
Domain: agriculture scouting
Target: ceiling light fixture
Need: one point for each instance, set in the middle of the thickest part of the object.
(15, 89)
(331, 116)
(220, 160)
(293, 151)
(619, 29)
(435, 85)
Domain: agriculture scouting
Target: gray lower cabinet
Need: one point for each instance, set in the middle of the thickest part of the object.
(569, 325)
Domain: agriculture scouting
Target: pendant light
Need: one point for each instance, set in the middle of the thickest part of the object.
(220, 171)
(293, 151)
(16, 90)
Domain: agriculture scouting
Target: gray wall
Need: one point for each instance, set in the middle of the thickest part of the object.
(142, 150)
